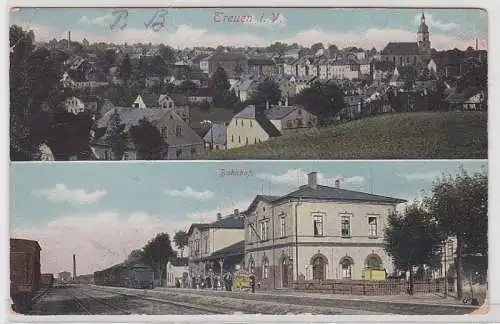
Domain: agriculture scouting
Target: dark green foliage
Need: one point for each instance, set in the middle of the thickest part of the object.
(267, 91)
(126, 68)
(158, 251)
(181, 240)
(325, 100)
(34, 77)
(115, 137)
(460, 205)
(147, 140)
(412, 239)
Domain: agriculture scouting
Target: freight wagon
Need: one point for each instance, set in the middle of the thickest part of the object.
(129, 275)
(25, 276)
(47, 279)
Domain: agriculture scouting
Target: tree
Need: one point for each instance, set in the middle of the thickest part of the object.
(34, 83)
(187, 86)
(220, 85)
(238, 70)
(412, 239)
(267, 91)
(126, 68)
(115, 137)
(325, 100)
(460, 206)
(332, 49)
(135, 255)
(181, 240)
(316, 47)
(167, 53)
(157, 252)
(148, 140)
(109, 60)
(278, 49)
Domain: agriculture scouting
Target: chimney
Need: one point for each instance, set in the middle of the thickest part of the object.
(337, 183)
(267, 104)
(69, 40)
(312, 180)
(74, 266)
(219, 216)
(236, 213)
(477, 47)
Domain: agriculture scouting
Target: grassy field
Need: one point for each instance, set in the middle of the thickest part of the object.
(429, 135)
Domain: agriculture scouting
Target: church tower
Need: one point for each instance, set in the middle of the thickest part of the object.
(423, 40)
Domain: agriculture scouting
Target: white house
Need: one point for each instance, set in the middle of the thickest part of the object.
(249, 127)
(74, 105)
(316, 232)
(177, 270)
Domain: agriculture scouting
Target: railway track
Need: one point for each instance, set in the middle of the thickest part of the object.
(199, 308)
(108, 306)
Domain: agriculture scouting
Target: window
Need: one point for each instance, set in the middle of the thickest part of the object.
(318, 268)
(372, 226)
(178, 131)
(282, 226)
(178, 152)
(250, 232)
(247, 141)
(251, 124)
(265, 269)
(252, 266)
(255, 140)
(206, 244)
(232, 138)
(163, 131)
(407, 59)
(264, 230)
(193, 150)
(346, 267)
(299, 112)
(242, 122)
(346, 226)
(318, 225)
(125, 156)
(239, 139)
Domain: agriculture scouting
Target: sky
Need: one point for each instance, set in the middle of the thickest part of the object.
(102, 211)
(188, 27)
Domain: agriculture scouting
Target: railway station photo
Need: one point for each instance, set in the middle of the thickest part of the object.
(258, 238)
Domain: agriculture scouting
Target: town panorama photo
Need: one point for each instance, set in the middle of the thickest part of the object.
(247, 83)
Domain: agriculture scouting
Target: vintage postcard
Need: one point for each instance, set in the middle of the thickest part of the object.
(248, 83)
(278, 238)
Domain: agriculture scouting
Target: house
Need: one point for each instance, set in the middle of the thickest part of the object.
(287, 86)
(216, 246)
(242, 87)
(181, 106)
(292, 53)
(262, 66)
(177, 270)
(468, 99)
(152, 81)
(151, 100)
(216, 137)
(74, 105)
(316, 232)
(182, 142)
(201, 95)
(303, 83)
(288, 118)
(250, 127)
(233, 63)
(343, 68)
(403, 76)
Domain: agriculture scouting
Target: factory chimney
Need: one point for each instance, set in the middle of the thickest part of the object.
(74, 266)
(69, 41)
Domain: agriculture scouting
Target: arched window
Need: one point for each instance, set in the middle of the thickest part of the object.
(252, 266)
(346, 267)
(373, 261)
(319, 263)
(265, 268)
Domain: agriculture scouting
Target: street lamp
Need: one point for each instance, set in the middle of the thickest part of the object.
(209, 123)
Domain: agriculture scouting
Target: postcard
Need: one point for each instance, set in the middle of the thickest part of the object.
(275, 238)
(248, 83)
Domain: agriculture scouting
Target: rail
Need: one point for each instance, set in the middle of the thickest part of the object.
(170, 302)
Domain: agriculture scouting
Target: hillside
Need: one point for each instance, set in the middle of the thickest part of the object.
(429, 135)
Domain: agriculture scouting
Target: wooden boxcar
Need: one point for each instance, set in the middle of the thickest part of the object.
(47, 279)
(25, 275)
(130, 275)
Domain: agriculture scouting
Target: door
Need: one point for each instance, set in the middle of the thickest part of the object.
(284, 274)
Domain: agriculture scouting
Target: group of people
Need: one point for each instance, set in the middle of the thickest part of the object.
(213, 282)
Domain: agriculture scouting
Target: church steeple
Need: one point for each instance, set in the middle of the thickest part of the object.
(423, 39)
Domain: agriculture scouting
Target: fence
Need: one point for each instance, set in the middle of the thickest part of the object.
(369, 288)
